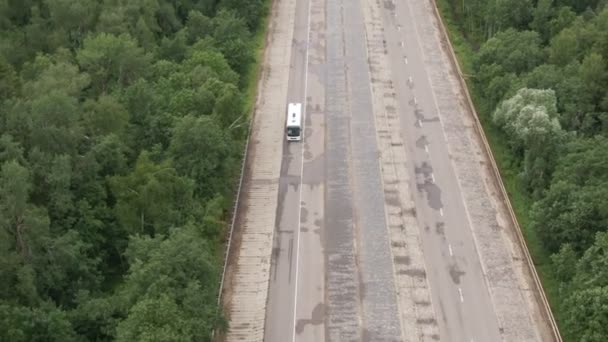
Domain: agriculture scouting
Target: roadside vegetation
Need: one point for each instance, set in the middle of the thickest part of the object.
(538, 73)
(122, 124)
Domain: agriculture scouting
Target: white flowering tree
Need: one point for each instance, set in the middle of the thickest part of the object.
(530, 120)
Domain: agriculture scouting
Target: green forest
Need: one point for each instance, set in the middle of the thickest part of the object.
(538, 73)
(122, 126)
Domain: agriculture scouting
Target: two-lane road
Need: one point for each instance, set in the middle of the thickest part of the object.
(300, 209)
(454, 271)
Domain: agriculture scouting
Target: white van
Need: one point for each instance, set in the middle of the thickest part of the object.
(294, 122)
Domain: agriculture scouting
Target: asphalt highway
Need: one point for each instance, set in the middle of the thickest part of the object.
(378, 234)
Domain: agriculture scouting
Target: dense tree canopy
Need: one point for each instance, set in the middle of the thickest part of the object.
(120, 129)
(541, 70)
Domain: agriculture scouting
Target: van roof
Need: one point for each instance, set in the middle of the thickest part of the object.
(294, 114)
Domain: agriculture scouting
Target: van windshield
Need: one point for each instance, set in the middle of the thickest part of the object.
(293, 131)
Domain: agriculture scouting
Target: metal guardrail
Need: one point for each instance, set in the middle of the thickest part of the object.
(234, 212)
(503, 190)
(235, 207)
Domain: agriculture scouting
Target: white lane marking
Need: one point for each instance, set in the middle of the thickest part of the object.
(402, 44)
(415, 100)
(461, 297)
(450, 248)
(398, 27)
(432, 175)
(295, 296)
(409, 79)
(405, 58)
(419, 123)
(441, 211)
(426, 148)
